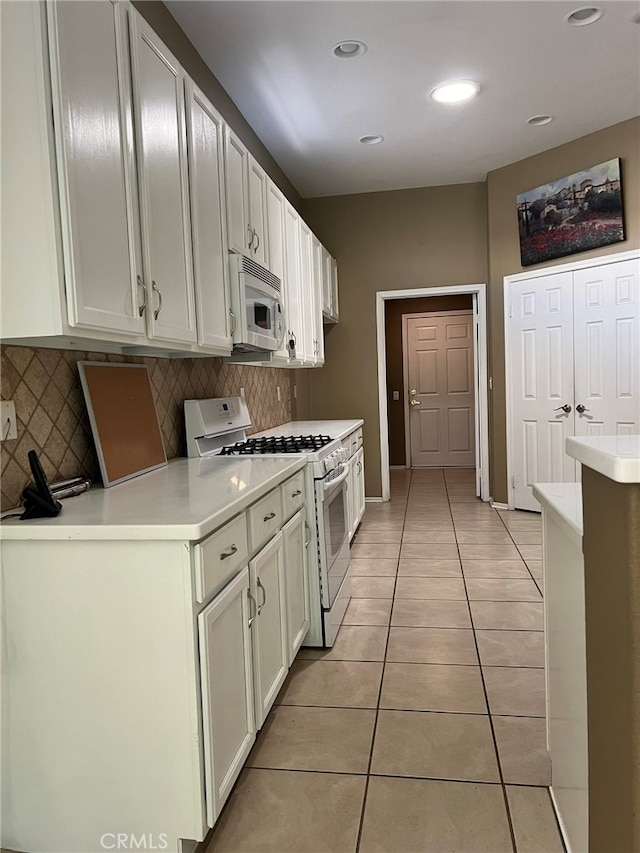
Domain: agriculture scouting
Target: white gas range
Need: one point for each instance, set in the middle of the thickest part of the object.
(217, 427)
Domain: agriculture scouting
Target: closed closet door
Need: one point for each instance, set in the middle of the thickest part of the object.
(607, 357)
(574, 365)
(541, 365)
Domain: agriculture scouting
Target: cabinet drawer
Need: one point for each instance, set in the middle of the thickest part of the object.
(220, 557)
(292, 495)
(353, 442)
(265, 519)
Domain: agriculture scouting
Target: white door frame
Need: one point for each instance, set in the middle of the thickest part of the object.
(479, 294)
(405, 368)
(529, 276)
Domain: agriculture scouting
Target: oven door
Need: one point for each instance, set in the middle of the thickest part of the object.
(333, 534)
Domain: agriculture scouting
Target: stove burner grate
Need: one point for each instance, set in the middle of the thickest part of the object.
(276, 444)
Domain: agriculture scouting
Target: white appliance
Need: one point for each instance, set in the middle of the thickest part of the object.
(217, 427)
(256, 300)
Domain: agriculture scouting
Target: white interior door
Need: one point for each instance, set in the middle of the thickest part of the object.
(439, 371)
(540, 364)
(607, 361)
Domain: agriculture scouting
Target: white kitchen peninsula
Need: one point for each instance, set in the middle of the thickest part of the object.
(591, 553)
(144, 640)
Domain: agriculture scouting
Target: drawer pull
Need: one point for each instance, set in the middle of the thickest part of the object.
(308, 539)
(264, 597)
(230, 553)
(269, 516)
(296, 493)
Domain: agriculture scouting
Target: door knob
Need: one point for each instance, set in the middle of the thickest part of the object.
(413, 392)
(414, 403)
(566, 409)
(581, 409)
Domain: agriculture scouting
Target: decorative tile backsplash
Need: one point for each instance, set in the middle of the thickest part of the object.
(53, 420)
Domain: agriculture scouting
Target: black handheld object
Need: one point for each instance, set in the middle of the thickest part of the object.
(38, 500)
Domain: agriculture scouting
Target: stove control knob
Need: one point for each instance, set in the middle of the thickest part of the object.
(329, 463)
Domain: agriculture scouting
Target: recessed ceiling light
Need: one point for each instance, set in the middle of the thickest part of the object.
(583, 16)
(538, 121)
(349, 49)
(371, 140)
(455, 91)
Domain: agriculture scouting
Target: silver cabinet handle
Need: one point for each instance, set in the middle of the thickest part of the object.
(141, 308)
(257, 236)
(234, 322)
(252, 604)
(566, 409)
(264, 597)
(581, 409)
(233, 550)
(269, 516)
(308, 529)
(250, 232)
(359, 467)
(296, 493)
(154, 287)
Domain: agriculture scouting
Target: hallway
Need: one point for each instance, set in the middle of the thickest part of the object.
(423, 728)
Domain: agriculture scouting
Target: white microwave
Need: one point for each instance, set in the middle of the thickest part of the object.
(256, 300)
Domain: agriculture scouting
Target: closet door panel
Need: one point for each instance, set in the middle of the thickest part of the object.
(607, 351)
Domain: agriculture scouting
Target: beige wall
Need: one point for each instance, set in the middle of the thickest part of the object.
(387, 241)
(622, 140)
(394, 309)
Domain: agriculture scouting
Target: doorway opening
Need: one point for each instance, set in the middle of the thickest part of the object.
(389, 419)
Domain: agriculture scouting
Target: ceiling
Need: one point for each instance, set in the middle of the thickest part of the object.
(310, 108)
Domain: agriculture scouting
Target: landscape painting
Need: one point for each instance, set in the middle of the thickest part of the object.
(573, 214)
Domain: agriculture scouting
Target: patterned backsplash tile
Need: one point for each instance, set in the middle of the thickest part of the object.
(53, 420)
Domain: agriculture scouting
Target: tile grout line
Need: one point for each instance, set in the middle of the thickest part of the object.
(384, 663)
(486, 699)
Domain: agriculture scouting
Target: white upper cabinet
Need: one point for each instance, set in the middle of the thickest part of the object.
(317, 295)
(257, 184)
(307, 297)
(246, 183)
(293, 292)
(275, 227)
(205, 129)
(94, 135)
(158, 93)
(329, 287)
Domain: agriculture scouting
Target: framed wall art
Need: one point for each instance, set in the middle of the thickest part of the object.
(574, 214)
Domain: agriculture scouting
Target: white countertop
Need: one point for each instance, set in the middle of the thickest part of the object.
(615, 456)
(565, 499)
(187, 500)
(334, 429)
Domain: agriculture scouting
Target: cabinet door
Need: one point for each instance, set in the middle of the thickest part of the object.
(295, 543)
(307, 295)
(317, 294)
(208, 222)
(235, 168)
(275, 229)
(269, 629)
(257, 183)
(335, 312)
(359, 500)
(292, 277)
(352, 487)
(227, 690)
(91, 88)
(158, 89)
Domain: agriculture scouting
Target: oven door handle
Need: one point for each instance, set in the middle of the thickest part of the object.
(328, 485)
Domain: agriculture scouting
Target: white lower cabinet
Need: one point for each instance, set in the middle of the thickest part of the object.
(269, 625)
(355, 481)
(295, 543)
(226, 668)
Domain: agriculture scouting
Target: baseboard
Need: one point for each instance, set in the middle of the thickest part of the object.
(397, 467)
(373, 500)
(497, 505)
(561, 825)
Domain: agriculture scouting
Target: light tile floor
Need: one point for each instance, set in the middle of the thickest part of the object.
(422, 729)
